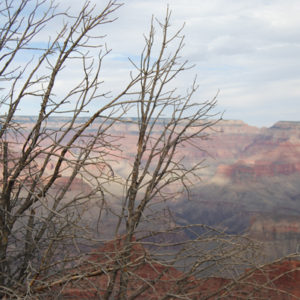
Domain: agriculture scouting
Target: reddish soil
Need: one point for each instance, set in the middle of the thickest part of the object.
(154, 280)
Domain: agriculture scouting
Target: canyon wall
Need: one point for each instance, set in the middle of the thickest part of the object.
(250, 177)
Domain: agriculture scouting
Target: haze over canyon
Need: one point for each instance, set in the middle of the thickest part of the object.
(249, 180)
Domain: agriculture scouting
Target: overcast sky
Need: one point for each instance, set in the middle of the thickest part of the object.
(249, 50)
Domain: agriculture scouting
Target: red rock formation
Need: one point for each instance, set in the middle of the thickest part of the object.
(153, 278)
(240, 170)
(272, 152)
(278, 281)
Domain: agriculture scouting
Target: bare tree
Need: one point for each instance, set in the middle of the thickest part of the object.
(58, 166)
(38, 215)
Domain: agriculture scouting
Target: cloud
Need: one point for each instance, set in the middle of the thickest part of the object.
(248, 49)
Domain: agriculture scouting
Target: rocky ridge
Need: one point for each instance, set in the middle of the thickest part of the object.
(154, 280)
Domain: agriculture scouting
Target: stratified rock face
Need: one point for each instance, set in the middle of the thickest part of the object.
(274, 151)
(229, 139)
(248, 172)
(274, 227)
(254, 173)
(287, 126)
(241, 170)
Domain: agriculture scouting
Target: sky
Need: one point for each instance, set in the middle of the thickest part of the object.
(247, 51)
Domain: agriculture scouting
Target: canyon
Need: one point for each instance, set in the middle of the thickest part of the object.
(249, 182)
(244, 200)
